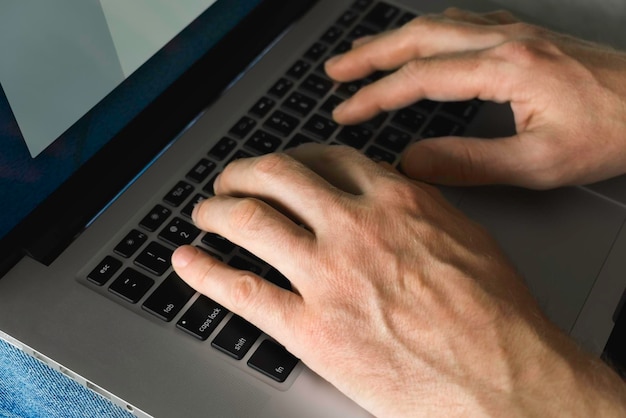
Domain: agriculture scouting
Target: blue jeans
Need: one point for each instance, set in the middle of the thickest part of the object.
(31, 389)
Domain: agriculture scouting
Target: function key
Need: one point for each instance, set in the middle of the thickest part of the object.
(131, 285)
(243, 127)
(201, 170)
(381, 16)
(273, 361)
(155, 258)
(223, 148)
(208, 188)
(131, 243)
(179, 232)
(153, 220)
(239, 155)
(236, 338)
(105, 270)
(316, 51)
(202, 318)
(179, 193)
(343, 46)
(169, 298)
(360, 31)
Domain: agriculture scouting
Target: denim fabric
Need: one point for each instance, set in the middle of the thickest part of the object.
(31, 389)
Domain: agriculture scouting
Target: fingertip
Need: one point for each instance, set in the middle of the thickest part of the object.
(417, 162)
(183, 256)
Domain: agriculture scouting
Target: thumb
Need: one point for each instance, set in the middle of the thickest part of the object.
(455, 161)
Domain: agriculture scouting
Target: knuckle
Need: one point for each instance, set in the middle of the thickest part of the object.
(245, 214)
(269, 164)
(244, 289)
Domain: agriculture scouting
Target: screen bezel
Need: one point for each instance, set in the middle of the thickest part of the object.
(47, 230)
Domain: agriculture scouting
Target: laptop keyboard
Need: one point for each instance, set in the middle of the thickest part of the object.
(295, 110)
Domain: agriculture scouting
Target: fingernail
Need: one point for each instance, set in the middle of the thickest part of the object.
(182, 256)
(332, 60)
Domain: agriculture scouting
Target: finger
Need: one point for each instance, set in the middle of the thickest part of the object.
(262, 303)
(281, 181)
(423, 37)
(498, 17)
(502, 17)
(456, 161)
(259, 228)
(341, 166)
(447, 78)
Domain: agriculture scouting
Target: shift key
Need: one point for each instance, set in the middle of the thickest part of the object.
(236, 338)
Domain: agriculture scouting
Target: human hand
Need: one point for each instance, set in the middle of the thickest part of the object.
(400, 301)
(568, 97)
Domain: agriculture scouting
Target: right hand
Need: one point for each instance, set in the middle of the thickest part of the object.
(568, 97)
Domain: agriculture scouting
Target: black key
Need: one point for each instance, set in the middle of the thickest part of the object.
(211, 253)
(202, 318)
(243, 127)
(131, 243)
(252, 256)
(442, 126)
(426, 105)
(188, 209)
(243, 264)
(316, 51)
(349, 89)
(377, 121)
(223, 148)
(300, 104)
(263, 142)
(153, 220)
(330, 104)
(299, 69)
(348, 18)
(278, 279)
(155, 258)
(297, 140)
(281, 88)
(405, 18)
(262, 107)
(105, 270)
(317, 85)
(360, 31)
(201, 170)
(179, 194)
(355, 136)
(320, 126)
(362, 5)
(332, 35)
(218, 242)
(236, 338)
(169, 298)
(393, 139)
(462, 110)
(378, 154)
(239, 155)
(282, 123)
(273, 360)
(381, 16)
(343, 46)
(131, 285)
(179, 232)
(208, 188)
(409, 119)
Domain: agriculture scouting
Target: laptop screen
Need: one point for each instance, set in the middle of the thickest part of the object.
(81, 70)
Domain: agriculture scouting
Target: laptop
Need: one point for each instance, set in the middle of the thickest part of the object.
(110, 137)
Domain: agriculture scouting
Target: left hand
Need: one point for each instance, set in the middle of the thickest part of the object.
(400, 301)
